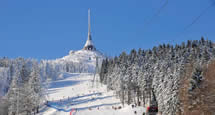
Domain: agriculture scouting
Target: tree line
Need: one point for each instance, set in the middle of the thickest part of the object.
(154, 74)
(23, 82)
(23, 90)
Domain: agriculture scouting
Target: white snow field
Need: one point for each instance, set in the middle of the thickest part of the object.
(75, 93)
(82, 56)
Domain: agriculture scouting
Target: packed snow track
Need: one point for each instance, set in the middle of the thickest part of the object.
(76, 94)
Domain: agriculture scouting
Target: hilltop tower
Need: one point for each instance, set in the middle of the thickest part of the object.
(89, 43)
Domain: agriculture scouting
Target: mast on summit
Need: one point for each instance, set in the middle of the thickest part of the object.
(89, 32)
(89, 43)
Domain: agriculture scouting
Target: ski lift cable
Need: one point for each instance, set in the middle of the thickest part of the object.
(157, 13)
(199, 16)
(180, 34)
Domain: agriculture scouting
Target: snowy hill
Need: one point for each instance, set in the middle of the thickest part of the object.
(81, 61)
(83, 56)
(75, 93)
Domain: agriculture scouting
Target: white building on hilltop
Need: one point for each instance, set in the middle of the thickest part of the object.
(89, 43)
(85, 59)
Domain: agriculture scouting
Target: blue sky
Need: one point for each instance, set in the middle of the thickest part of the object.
(48, 29)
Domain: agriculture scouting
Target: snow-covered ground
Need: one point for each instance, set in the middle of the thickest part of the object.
(76, 93)
(82, 56)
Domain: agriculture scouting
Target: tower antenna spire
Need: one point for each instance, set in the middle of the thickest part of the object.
(89, 43)
(89, 32)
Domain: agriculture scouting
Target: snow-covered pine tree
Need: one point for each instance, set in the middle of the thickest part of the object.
(160, 69)
(13, 96)
(35, 88)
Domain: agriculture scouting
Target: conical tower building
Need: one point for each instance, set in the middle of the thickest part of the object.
(89, 43)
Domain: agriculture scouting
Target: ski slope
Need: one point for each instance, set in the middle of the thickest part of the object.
(82, 56)
(77, 93)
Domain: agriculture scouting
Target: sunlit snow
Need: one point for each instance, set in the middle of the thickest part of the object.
(76, 93)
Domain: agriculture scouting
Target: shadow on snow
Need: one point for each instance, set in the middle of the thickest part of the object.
(58, 104)
(81, 108)
(60, 84)
(75, 100)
